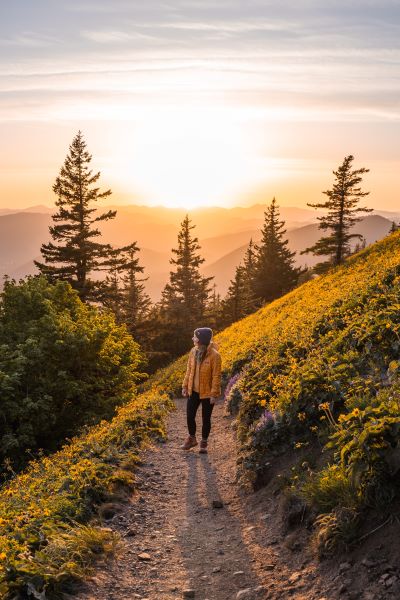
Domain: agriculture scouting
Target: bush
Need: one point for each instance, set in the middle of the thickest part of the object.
(63, 364)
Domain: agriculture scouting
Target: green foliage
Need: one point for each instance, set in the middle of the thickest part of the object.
(63, 364)
(274, 271)
(184, 299)
(45, 543)
(329, 488)
(241, 299)
(326, 350)
(335, 531)
(76, 254)
(342, 215)
(367, 447)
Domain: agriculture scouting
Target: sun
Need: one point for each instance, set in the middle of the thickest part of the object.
(181, 157)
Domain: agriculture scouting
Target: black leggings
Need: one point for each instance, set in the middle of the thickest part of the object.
(206, 409)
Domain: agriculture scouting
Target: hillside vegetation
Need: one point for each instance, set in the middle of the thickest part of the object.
(316, 368)
(63, 364)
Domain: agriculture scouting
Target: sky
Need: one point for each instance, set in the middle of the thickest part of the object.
(198, 102)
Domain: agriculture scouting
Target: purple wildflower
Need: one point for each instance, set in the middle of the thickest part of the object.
(230, 384)
(266, 418)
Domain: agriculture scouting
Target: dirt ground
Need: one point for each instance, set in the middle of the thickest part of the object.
(178, 544)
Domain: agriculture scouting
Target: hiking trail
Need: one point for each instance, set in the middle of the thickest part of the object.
(177, 545)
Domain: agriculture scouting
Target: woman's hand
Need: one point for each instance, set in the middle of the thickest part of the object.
(213, 400)
(185, 393)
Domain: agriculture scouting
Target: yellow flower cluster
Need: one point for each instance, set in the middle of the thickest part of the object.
(54, 492)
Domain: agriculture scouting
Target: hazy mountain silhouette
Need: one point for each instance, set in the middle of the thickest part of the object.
(223, 233)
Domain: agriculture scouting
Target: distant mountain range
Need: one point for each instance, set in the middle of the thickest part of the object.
(223, 233)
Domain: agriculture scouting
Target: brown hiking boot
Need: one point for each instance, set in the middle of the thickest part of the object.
(189, 443)
(203, 447)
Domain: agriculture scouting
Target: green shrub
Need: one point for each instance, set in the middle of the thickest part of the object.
(63, 364)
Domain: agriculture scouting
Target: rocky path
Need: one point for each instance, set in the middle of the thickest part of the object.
(189, 532)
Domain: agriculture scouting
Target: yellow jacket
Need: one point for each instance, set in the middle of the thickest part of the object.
(210, 373)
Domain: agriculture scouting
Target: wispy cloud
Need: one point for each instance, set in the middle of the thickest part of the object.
(271, 63)
(28, 39)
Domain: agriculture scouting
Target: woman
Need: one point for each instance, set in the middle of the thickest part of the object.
(202, 384)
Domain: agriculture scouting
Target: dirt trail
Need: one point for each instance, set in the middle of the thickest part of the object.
(236, 551)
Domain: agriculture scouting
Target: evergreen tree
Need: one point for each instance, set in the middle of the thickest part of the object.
(184, 299)
(122, 291)
(394, 227)
(360, 245)
(274, 271)
(240, 299)
(234, 302)
(109, 293)
(213, 312)
(154, 339)
(136, 302)
(250, 303)
(342, 215)
(76, 253)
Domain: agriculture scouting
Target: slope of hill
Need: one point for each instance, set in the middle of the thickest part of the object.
(315, 368)
(319, 366)
(21, 235)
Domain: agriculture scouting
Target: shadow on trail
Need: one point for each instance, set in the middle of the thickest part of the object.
(214, 552)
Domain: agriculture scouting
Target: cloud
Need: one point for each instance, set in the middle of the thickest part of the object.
(28, 39)
(106, 37)
(306, 54)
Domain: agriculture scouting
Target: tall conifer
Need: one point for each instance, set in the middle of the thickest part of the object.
(240, 299)
(76, 253)
(213, 312)
(136, 302)
(184, 299)
(275, 273)
(342, 215)
(233, 305)
(250, 303)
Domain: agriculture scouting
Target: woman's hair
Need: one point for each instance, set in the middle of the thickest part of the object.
(201, 352)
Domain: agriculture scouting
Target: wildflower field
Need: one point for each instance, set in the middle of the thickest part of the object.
(317, 368)
(46, 542)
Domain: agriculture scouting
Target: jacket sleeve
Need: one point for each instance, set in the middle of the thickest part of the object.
(185, 382)
(216, 377)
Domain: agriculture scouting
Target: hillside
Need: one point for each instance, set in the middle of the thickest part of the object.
(316, 369)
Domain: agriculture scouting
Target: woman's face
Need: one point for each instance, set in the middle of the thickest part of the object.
(195, 340)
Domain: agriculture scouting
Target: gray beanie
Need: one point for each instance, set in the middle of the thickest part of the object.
(204, 335)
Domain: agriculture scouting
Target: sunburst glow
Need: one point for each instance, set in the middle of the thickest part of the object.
(189, 158)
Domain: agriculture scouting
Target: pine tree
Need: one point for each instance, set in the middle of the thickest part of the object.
(250, 303)
(394, 227)
(109, 293)
(136, 302)
(240, 299)
(274, 271)
(77, 254)
(342, 215)
(122, 291)
(184, 299)
(360, 245)
(213, 311)
(234, 302)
